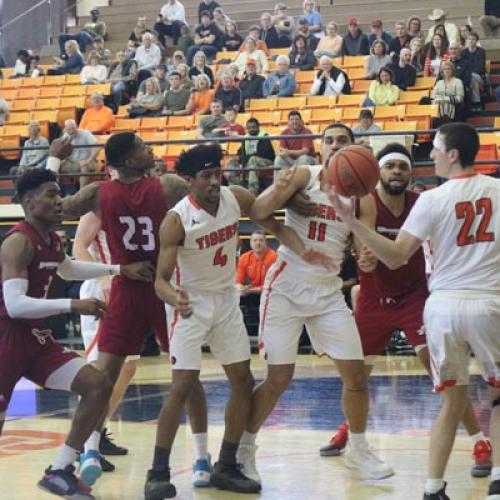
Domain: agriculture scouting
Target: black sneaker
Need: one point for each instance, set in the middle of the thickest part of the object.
(64, 483)
(106, 465)
(158, 485)
(107, 447)
(494, 490)
(229, 477)
(440, 495)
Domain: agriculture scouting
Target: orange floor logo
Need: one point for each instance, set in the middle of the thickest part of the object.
(14, 442)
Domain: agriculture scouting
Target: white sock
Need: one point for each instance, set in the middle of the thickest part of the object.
(357, 439)
(495, 473)
(478, 437)
(92, 442)
(65, 457)
(200, 441)
(433, 485)
(248, 438)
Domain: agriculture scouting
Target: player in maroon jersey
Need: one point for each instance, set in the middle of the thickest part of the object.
(31, 254)
(131, 209)
(394, 299)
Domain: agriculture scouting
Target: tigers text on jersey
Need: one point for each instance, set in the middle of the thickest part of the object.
(207, 259)
(323, 232)
(461, 219)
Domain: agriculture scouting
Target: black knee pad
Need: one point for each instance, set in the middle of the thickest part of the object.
(495, 402)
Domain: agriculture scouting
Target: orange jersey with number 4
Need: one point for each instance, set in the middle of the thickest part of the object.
(206, 261)
(461, 220)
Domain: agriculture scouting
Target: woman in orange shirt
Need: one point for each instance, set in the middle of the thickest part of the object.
(201, 96)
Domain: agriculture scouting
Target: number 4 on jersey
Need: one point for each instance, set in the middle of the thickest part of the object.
(469, 211)
(219, 258)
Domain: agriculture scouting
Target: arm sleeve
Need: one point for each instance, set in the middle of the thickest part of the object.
(19, 305)
(420, 220)
(74, 270)
(315, 86)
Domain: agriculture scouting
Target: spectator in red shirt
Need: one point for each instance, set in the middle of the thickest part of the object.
(231, 127)
(295, 151)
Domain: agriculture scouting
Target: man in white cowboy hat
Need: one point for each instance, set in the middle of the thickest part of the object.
(439, 17)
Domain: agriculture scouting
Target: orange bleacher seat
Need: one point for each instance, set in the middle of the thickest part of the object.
(15, 130)
(47, 103)
(356, 73)
(390, 112)
(22, 105)
(54, 80)
(423, 83)
(10, 141)
(173, 152)
(74, 90)
(354, 62)
(223, 54)
(421, 110)
(182, 135)
(21, 117)
(180, 122)
(32, 82)
(153, 135)
(125, 124)
(51, 91)
(321, 101)
(103, 88)
(72, 102)
(305, 76)
(9, 84)
(27, 93)
(402, 126)
(350, 100)
(360, 86)
(497, 122)
(303, 88)
(267, 117)
(262, 104)
(9, 94)
(487, 152)
(351, 113)
(160, 151)
(153, 123)
(48, 115)
(242, 118)
(278, 52)
(322, 115)
(72, 80)
(412, 96)
(291, 102)
(7, 72)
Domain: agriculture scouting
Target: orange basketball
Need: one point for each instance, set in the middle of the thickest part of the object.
(354, 171)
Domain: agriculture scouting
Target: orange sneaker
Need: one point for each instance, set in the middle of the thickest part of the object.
(337, 443)
(481, 467)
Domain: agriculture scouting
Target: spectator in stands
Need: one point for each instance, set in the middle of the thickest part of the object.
(476, 57)
(104, 54)
(72, 64)
(160, 75)
(185, 41)
(382, 91)
(417, 55)
(490, 22)
(94, 26)
(4, 111)
(305, 30)
(206, 38)
(228, 93)
(220, 19)
(22, 64)
(34, 158)
(254, 265)
(301, 56)
(211, 125)
(252, 52)
(449, 93)
(183, 70)
(378, 33)
(231, 127)
(148, 103)
(463, 72)
(400, 41)
(436, 55)
(36, 69)
(439, 17)
(200, 67)
(254, 32)
(235, 71)
(330, 80)
(207, 6)
(284, 25)
(139, 30)
(172, 16)
(93, 72)
(201, 96)
(404, 73)
(331, 44)
(312, 15)
(98, 118)
(378, 59)
(251, 85)
(441, 30)
(415, 28)
(355, 42)
(465, 30)
(81, 160)
(257, 155)
(418, 187)
(147, 57)
(365, 126)
(177, 58)
(82, 38)
(231, 40)
(280, 83)
(176, 99)
(295, 151)
(122, 76)
(268, 32)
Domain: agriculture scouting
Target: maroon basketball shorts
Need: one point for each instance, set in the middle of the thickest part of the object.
(134, 310)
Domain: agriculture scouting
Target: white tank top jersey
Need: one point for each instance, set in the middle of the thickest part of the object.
(323, 232)
(461, 219)
(99, 249)
(206, 261)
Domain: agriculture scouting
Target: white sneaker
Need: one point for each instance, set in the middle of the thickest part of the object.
(364, 461)
(246, 457)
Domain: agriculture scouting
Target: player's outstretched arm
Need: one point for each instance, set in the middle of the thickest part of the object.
(171, 236)
(367, 261)
(174, 187)
(86, 232)
(84, 201)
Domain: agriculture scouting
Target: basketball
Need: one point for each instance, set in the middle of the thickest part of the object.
(354, 171)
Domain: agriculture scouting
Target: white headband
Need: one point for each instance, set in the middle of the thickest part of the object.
(394, 156)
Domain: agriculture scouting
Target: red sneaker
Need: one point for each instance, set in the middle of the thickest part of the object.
(481, 455)
(337, 443)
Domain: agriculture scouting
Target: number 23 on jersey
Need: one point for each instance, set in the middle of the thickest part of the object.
(138, 229)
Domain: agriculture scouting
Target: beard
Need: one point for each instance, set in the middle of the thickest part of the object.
(393, 191)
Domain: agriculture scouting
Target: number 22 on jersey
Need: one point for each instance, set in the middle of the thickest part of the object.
(142, 226)
(469, 211)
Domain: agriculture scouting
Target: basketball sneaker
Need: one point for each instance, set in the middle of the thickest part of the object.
(90, 467)
(158, 485)
(494, 490)
(107, 447)
(64, 483)
(481, 467)
(246, 457)
(440, 495)
(202, 469)
(366, 463)
(230, 478)
(106, 465)
(337, 443)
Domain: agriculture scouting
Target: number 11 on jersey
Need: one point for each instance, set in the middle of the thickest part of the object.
(317, 231)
